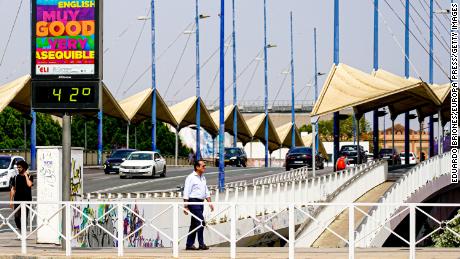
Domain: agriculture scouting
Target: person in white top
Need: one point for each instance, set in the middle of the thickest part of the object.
(196, 190)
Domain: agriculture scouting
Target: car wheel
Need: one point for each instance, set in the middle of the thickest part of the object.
(244, 164)
(153, 173)
(287, 168)
(238, 163)
(122, 177)
(163, 174)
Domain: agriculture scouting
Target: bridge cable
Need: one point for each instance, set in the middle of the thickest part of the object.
(157, 59)
(11, 32)
(132, 55)
(216, 74)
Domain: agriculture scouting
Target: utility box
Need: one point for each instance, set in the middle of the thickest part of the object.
(49, 189)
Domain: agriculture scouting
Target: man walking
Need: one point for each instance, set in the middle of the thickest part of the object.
(196, 190)
(21, 189)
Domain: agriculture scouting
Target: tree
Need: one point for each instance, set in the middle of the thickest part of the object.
(447, 238)
(12, 128)
(325, 128)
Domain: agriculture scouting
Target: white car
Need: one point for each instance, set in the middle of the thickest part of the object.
(412, 158)
(8, 169)
(143, 163)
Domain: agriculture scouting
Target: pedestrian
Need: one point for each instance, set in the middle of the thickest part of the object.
(191, 158)
(196, 190)
(20, 189)
(341, 163)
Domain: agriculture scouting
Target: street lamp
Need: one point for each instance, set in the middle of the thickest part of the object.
(442, 11)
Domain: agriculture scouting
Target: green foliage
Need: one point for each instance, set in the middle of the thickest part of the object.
(325, 128)
(12, 129)
(49, 133)
(445, 238)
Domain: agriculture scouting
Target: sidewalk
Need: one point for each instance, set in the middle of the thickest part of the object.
(223, 252)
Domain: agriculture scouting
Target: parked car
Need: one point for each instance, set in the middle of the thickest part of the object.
(112, 164)
(390, 155)
(302, 156)
(412, 158)
(8, 169)
(143, 163)
(351, 152)
(234, 156)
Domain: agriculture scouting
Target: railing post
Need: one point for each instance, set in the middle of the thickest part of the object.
(23, 228)
(233, 230)
(120, 221)
(412, 231)
(351, 231)
(291, 231)
(68, 232)
(176, 230)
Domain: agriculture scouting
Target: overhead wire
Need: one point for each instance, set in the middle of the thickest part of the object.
(250, 81)
(11, 33)
(443, 43)
(178, 64)
(440, 7)
(205, 62)
(157, 59)
(411, 32)
(281, 85)
(428, 13)
(421, 33)
(131, 57)
(216, 74)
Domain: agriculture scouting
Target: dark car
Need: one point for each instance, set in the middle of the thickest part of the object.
(302, 156)
(392, 155)
(351, 152)
(234, 156)
(112, 164)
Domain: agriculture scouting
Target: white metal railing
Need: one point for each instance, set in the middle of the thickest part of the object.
(417, 177)
(296, 174)
(173, 231)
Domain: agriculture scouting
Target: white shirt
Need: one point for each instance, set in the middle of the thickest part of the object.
(195, 187)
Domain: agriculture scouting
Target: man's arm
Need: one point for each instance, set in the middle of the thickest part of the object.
(187, 189)
(208, 198)
(28, 179)
(12, 192)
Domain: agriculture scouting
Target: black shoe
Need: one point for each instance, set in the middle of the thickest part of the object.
(203, 247)
(191, 248)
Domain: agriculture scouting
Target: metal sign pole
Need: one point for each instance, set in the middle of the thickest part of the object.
(66, 167)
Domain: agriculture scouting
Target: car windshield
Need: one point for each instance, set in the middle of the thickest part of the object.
(140, 156)
(231, 151)
(5, 162)
(403, 154)
(349, 148)
(300, 150)
(386, 151)
(121, 154)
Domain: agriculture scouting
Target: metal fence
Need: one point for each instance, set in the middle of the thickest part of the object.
(176, 234)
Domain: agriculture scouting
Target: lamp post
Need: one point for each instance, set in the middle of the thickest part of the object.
(235, 117)
(292, 86)
(221, 183)
(336, 130)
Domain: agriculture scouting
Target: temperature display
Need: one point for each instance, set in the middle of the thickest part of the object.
(65, 95)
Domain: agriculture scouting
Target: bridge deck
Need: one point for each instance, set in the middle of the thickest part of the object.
(220, 252)
(340, 224)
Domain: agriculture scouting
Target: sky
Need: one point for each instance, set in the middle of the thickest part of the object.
(176, 75)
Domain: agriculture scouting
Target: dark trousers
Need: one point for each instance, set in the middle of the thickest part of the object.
(196, 210)
(17, 216)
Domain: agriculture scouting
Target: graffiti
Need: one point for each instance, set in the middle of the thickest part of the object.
(95, 236)
(47, 170)
(76, 189)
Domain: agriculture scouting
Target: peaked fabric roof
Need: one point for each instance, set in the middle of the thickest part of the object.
(257, 127)
(285, 135)
(185, 114)
(348, 87)
(308, 141)
(417, 94)
(243, 134)
(138, 107)
(17, 94)
(443, 94)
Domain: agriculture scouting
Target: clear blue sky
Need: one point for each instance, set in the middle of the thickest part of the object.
(121, 30)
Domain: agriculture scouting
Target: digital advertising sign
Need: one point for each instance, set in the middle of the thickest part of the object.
(66, 40)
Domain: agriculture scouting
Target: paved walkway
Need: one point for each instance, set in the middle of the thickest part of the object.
(246, 252)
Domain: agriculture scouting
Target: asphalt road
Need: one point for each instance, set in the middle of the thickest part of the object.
(95, 180)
